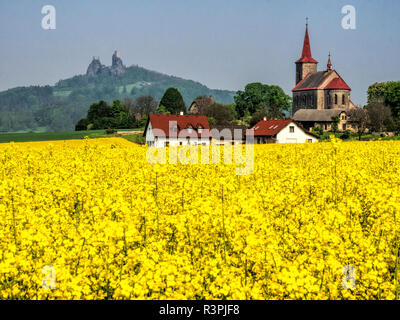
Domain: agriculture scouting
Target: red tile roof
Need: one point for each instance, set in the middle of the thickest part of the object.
(269, 127)
(184, 122)
(338, 83)
(306, 54)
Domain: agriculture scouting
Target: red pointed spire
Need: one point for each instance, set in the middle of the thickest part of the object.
(306, 54)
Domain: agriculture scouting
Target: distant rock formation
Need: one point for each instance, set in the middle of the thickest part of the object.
(95, 67)
(117, 68)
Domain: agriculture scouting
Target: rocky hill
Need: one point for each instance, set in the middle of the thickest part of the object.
(59, 107)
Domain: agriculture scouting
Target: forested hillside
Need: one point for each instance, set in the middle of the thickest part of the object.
(59, 107)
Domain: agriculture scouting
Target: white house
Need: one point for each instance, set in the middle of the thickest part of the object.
(172, 130)
(280, 131)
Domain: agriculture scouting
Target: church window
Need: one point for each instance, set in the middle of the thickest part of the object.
(336, 100)
(343, 99)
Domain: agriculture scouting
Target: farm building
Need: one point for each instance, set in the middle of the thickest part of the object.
(172, 130)
(280, 131)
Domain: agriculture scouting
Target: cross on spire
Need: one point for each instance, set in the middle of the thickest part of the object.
(307, 22)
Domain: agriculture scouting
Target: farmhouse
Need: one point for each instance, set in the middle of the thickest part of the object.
(200, 105)
(172, 130)
(280, 131)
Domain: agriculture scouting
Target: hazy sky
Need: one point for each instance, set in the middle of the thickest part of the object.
(223, 44)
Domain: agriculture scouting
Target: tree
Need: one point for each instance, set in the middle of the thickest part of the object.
(266, 112)
(162, 110)
(222, 114)
(387, 93)
(173, 101)
(81, 125)
(130, 106)
(261, 96)
(335, 123)
(146, 105)
(380, 116)
(360, 118)
(97, 110)
(102, 116)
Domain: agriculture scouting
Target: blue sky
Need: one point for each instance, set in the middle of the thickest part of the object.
(223, 44)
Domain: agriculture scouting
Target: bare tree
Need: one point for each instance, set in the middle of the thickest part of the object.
(380, 116)
(129, 106)
(146, 105)
(359, 118)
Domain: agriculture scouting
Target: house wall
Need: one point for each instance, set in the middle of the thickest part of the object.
(149, 135)
(298, 136)
(161, 142)
(327, 125)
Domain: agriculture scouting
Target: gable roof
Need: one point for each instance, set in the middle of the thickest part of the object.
(337, 83)
(315, 80)
(306, 53)
(162, 122)
(269, 127)
(314, 115)
(202, 103)
(311, 81)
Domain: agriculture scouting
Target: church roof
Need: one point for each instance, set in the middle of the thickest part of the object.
(338, 83)
(315, 80)
(311, 81)
(306, 53)
(315, 115)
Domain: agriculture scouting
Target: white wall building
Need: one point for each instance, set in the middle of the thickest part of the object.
(280, 131)
(174, 130)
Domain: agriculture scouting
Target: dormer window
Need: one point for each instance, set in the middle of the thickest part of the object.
(200, 128)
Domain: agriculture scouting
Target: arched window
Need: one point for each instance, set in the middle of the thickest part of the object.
(304, 100)
(343, 99)
(336, 101)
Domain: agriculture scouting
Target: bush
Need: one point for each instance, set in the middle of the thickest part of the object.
(318, 131)
(81, 125)
(345, 135)
(110, 131)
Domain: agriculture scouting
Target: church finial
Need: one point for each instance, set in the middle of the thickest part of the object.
(329, 65)
(307, 22)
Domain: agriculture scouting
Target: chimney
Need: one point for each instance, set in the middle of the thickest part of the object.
(265, 118)
(181, 113)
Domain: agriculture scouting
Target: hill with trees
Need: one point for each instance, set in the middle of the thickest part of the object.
(60, 107)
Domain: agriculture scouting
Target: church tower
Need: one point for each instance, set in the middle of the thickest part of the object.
(306, 64)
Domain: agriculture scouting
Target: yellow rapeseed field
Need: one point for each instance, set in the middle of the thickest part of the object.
(92, 219)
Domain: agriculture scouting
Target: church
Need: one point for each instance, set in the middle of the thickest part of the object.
(319, 95)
